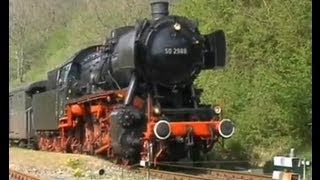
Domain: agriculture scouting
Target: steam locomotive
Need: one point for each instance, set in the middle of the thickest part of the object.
(131, 99)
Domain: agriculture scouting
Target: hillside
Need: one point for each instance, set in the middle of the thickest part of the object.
(65, 28)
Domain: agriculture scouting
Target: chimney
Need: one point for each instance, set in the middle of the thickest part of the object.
(159, 8)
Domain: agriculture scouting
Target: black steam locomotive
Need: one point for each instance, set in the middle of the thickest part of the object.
(131, 99)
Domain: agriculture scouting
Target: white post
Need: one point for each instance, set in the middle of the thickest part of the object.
(291, 152)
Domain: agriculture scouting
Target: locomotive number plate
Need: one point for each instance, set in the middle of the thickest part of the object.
(175, 51)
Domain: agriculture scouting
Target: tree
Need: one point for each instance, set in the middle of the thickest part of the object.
(30, 23)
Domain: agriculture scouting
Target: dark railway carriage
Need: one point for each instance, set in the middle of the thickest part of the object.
(19, 102)
(21, 122)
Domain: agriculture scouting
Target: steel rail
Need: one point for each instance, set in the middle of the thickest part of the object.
(16, 175)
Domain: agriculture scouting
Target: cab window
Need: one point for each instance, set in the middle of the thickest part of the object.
(63, 75)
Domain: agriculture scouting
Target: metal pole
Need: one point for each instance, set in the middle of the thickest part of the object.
(194, 97)
(304, 169)
(28, 117)
(121, 172)
(131, 89)
(150, 159)
(148, 172)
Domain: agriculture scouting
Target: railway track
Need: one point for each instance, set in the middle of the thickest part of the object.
(16, 175)
(216, 174)
(209, 174)
(203, 174)
(235, 175)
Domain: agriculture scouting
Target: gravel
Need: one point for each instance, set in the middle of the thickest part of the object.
(59, 166)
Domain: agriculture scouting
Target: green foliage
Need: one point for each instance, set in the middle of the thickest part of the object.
(75, 164)
(266, 86)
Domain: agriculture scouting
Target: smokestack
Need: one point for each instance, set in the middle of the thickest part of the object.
(159, 8)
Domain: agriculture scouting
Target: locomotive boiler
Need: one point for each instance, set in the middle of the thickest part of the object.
(132, 99)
